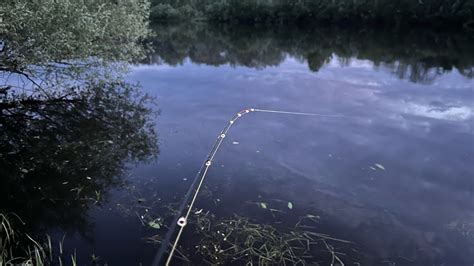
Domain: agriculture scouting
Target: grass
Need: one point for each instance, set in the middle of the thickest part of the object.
(29, 251)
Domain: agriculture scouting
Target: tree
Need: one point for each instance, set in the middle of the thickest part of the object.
(69, 122)
(50, 32)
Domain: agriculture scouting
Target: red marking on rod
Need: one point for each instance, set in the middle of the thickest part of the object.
(245, 111)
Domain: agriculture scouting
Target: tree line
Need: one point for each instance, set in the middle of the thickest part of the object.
(434, 12)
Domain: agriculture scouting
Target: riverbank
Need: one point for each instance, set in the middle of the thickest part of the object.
(429, 13)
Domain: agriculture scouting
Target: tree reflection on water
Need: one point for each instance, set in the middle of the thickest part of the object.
(60, 153)
(416, 55)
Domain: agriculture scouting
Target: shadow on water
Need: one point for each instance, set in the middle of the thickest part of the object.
(61, 153)
(418, 55)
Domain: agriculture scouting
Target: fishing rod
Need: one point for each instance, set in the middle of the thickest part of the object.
(182, 220)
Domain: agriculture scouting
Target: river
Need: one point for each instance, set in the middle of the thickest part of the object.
(387, 165)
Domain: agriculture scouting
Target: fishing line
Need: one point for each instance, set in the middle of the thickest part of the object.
(181, 220)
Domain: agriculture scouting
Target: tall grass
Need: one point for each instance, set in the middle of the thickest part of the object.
(19, 248)
(284, 11)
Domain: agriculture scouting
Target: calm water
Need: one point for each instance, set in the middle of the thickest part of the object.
(394, 175)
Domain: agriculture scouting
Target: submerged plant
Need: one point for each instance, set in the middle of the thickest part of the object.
(238, 240)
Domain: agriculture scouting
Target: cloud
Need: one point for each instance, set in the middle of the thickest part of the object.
(450, 113)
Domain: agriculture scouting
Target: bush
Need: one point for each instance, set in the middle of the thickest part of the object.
(164, 12)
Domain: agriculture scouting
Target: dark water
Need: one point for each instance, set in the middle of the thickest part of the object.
(394, 175)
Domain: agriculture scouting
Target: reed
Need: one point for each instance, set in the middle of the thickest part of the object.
(19, 248)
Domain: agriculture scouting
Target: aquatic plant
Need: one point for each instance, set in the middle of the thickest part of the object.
(13, 251)
(238, 240)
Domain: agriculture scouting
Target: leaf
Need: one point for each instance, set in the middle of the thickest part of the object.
(154, 224)
(263, 205)
(380, 166)
(290, 205)
(275, 210)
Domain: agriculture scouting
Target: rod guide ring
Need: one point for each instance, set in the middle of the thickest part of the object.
(182, 222)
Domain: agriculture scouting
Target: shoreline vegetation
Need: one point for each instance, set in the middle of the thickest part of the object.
(431, 13)
(70, 124)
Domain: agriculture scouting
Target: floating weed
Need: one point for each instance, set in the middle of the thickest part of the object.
(379, 166)
(239, 241)
(156, 239)
(155, 224)
(276, 210)
(95, 258)
(290, 205)
(78, 190)
(334, 255)
(98, 196)
(307, 218)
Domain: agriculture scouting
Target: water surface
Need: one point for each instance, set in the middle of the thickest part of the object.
(393, 175)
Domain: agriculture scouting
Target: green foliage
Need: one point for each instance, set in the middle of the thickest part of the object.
(301, 11)
(69, 123)
(49, 31)
(166, 12)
